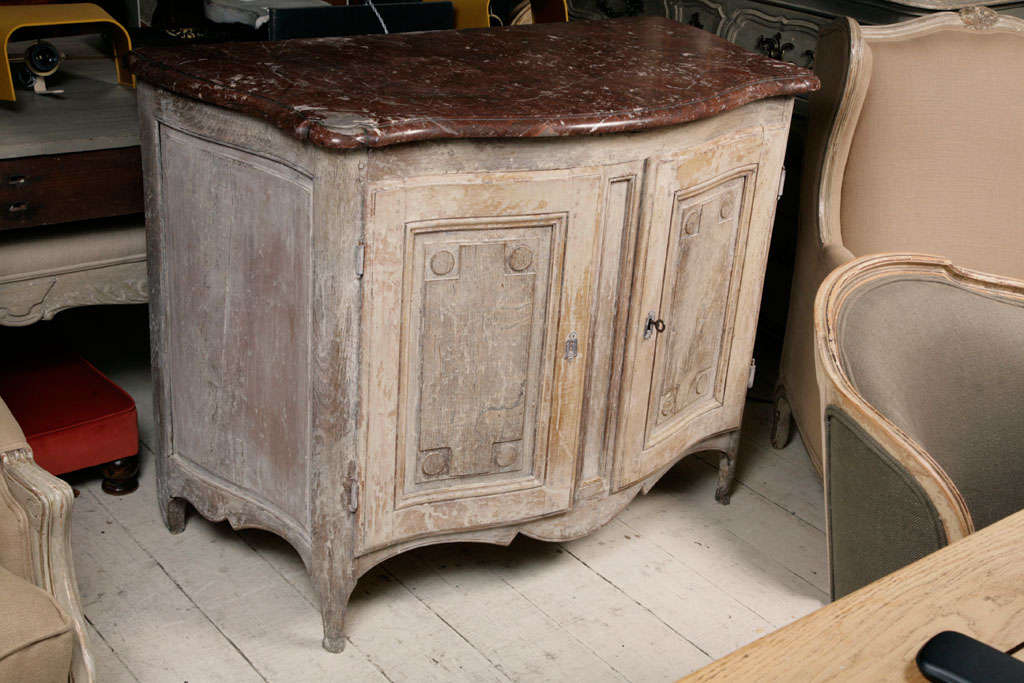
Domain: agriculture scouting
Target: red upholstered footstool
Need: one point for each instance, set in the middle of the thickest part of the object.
(72, 415)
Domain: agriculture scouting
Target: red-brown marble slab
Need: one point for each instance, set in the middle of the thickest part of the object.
(580, 78)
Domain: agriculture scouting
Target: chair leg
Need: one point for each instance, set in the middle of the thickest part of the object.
(782, 420)
(121, 476)
(727, 469)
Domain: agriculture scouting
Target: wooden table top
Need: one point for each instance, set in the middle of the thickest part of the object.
(974, 586)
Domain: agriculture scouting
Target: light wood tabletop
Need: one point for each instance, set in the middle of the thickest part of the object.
(974, 586)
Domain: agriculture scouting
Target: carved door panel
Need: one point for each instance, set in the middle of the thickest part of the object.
(476, 302)
(679, 372)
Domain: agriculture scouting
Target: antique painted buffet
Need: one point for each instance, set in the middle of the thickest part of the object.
(401, 297)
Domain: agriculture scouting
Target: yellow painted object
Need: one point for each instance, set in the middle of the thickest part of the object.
(14, 17)
(472, 13)
(476, 13)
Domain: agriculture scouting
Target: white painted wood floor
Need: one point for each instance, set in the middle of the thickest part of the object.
(673, 582)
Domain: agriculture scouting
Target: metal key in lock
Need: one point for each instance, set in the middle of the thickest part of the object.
(653, 325)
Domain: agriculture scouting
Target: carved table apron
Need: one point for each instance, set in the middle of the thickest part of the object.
(482, 333)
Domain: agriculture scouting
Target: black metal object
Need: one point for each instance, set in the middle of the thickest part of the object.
(351, 20)
(772, 46)
(952, 657)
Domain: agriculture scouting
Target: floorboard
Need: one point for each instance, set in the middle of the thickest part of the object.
(675, 581)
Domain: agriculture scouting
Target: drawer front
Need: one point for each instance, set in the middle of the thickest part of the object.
(703, 14)
(59, 188)
(791, 37)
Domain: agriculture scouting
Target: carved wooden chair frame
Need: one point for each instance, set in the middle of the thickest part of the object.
(839, 393)
(835, 113)
(44, 502)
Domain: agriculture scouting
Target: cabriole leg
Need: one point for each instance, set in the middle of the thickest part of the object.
(334, 597)
(727, 469)
(782, 420)
(174, 512)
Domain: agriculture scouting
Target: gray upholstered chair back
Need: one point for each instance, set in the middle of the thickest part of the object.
(945, 365)
(921, 369)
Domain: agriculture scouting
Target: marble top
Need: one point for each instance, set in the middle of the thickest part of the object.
(580, 78)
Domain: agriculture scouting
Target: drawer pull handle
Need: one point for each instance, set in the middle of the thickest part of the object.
(16, 180)
(17, 207)
(653, 325)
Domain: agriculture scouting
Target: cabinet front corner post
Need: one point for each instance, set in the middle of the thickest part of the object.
(335, 380)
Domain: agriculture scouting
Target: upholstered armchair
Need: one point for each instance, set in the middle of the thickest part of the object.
(42, 629)
(921, 371)
(914, 145)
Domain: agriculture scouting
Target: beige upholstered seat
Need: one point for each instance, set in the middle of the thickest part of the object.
(921, 373)
(915, 144)
(46, 270)
(42, 629)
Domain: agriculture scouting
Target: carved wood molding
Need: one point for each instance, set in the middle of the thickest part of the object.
(979, 17)
(29, 301)
(971, 18)
(680, 10)
(47, 503)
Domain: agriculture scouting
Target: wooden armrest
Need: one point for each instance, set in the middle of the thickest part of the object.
(47, 502)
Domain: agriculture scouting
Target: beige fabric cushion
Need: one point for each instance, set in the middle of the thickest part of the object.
(945, 365)
(937, 161)
(14, 548)
(36, 636)
(71, 247)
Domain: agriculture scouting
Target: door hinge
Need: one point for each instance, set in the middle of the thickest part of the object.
(753, 373)
(360, 257)
(782, 183)
(353, 495)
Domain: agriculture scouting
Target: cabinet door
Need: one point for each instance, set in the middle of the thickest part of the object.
(476, 303)
(685, 383)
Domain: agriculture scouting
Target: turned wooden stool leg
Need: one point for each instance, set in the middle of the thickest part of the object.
(727, 469)
(121, 476)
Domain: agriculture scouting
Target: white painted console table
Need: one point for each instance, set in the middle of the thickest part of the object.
(401, 300)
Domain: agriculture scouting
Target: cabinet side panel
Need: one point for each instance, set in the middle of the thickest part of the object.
(237, 230)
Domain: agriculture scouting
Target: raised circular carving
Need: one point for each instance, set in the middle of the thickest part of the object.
(505, 454)
(434, 463)
(701, 386)
(520, 259)
(728, 206)
(442, 262)
(691, 224)
(668, 403)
